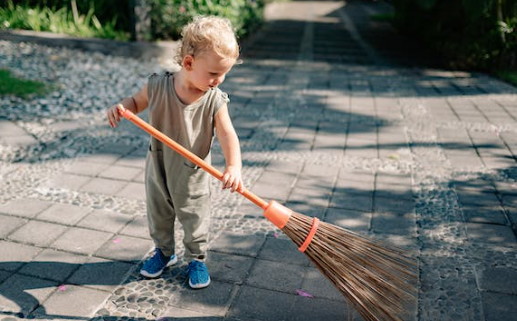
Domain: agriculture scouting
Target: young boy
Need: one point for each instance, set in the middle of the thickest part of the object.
(188, 107)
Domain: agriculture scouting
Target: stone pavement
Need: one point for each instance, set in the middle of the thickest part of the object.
(339, 118)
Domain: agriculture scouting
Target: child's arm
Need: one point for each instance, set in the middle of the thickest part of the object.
(136, 103)
(231, 150)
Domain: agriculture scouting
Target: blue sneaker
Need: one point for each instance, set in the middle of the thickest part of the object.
(155, 265)
(198, 276)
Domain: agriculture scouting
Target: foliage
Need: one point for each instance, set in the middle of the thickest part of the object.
(11, 85)
(62, 20)
(510, 77)
(104, 10)
(471, 34)
(169, 16)
(383, 17)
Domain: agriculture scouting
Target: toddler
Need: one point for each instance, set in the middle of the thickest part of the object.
(188, 107)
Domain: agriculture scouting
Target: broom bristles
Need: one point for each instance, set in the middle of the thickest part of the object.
(377, 280)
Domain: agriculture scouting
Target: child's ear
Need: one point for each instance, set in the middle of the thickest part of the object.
(187, 62)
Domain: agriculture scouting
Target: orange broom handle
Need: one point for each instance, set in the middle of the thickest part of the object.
(129, 115)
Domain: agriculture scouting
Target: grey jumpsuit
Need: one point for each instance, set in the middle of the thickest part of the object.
(175, 187)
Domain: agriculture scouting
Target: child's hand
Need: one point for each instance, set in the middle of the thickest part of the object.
(232, 179)
(113, 115)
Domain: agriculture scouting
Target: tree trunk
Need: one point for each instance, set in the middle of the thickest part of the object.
(140, 20)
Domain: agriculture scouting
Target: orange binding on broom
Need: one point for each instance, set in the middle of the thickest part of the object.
(376, 280)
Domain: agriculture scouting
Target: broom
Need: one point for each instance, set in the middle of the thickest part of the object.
(377, 280)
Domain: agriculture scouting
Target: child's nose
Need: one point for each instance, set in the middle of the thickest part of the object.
(218, 80)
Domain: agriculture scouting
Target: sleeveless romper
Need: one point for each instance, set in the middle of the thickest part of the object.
(175, 187)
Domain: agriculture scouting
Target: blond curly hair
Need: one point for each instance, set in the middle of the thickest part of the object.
(208, 33)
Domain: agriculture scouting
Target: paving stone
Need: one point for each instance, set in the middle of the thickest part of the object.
(214, 300)
(81, 241)
(133, 191)
(315, 196)
(125, 248)
(72, 302)
(24, 141)
(67, 181)
(66, 214)
(15, 255)
(228, 268)
(234, 243)
(318, 309)
(101, 274)
(173, 313)
(346, 186)
(103, 186)
(4, 275)
(491, 234)
(349, 219)
(498, 163)
(512, 214)
(498, 279)
(105, 220)
(9, 129)
(8, 224)
(393, 205)
(138, 227)
(53, 265)
(403, 194)
(304, 209)
(22, 294)
(38, 233)
(120, 172)
(478, 199)
(86, 168)
(102, 159)
(278, 191)
(311, 171)
(510, 200)
(277, 276)
(284, 167)
(281, 250)
(394, 223)
(485, 214)
(133, 160)
(140, 178)
(25, 207)
(499, 307)
(267, 305)
(316, 284)
(352, 202)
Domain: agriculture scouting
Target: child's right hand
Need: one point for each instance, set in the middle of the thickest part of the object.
(113, 115)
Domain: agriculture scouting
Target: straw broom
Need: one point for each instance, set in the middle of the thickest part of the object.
(377, 280)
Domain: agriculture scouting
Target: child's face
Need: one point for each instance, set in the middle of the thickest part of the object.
(208, 69)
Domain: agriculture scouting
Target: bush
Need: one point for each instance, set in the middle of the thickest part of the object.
(104, 10)
(169, 16)
(59, 20)
(471, 34)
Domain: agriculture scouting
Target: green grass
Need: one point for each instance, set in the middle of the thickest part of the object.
(383, 17)
(11, 85)
(62, 20)
(508, 76)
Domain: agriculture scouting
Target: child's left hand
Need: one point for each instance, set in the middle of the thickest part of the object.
(232, 179)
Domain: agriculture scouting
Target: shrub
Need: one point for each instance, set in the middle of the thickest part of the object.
(471, 34)
(62, 20)
(169, 16)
